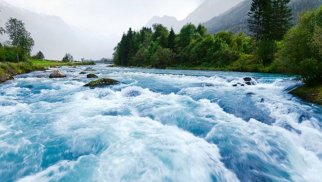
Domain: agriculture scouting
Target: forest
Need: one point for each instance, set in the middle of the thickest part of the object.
(274, 45)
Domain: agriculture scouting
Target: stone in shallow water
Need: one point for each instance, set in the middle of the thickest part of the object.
(57, 74)
(92, 76)
(102, 83)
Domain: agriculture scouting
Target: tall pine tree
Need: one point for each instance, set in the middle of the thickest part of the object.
(260, 19)
(269, 19)
(172, 40)
(281, 18)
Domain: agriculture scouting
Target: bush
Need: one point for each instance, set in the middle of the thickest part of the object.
(11, 54)
(68, 58)
(39, 56)
(301, 49)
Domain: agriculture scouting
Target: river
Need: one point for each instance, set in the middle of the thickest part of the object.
(157, 125)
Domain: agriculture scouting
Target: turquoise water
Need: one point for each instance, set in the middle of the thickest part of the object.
(157, 125)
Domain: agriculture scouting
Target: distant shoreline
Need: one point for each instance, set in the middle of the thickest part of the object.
(8, 69)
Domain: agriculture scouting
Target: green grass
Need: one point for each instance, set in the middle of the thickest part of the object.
(309, 93)
(9, 69)
(48, 63)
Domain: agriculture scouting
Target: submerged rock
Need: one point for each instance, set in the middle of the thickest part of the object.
(89, 69)
(57, 74)
(101, 83)
(92, 76)
(82, 73)
(238, 84)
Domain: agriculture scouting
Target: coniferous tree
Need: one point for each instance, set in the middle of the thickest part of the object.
(281, 18)
(68, 58)
(160, 34)
(268, 20)
(259, 18)
(39, 56)
(202, 30)
(172, 40)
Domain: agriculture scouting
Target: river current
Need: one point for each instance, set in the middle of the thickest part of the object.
(157, 125)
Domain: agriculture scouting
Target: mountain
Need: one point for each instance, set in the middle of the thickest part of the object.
(168, 21)
(54, 37)
(207, 10)
(235, 19)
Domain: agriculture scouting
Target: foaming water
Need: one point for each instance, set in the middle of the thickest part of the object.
(157, 125)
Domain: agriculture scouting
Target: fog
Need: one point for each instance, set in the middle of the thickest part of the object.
(88, 28)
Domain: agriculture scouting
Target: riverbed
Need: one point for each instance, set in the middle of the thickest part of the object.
(158, 125)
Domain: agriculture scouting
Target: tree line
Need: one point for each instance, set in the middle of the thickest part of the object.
(273, 46)
(20, 44)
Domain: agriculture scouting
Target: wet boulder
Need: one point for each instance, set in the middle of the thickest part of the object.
(57, 74)
(82, 73)
(92, 76)
(102, 83)
(249, 81)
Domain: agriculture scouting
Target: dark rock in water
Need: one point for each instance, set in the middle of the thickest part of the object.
(208, 85)
(101, 83)
(92, 76)
(57, 74)
(238, 84)
(248, 83)
(89, 69)
(250, 93)
(247, 79)
(82, 73)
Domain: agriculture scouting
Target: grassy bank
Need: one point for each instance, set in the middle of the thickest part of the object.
(309, 93)
(8, 69)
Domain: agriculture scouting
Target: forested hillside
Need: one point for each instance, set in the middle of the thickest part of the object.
(235, 19)
(299, 52)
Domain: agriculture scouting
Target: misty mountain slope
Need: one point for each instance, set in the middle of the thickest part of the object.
(235, 19)
(51, 35)
(54, 37)
(207, 10)
(168, 21)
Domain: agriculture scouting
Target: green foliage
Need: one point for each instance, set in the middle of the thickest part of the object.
(172, 40)
(162, 57)
(68, 58)
(268, 20)
(192, 47)
(301, 49)
(11, 54)
(266, 51)
(39, 56)
(19, 36)
(20, 43)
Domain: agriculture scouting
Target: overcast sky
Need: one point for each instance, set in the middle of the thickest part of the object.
(109, 16)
